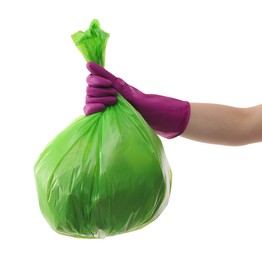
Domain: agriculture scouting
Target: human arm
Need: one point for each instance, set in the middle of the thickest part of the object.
(225, 125)
(169, 117)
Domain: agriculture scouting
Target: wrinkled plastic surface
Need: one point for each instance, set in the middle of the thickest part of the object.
(105, 174)
(92, 43)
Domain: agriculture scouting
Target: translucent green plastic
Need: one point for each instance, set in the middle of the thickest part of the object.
(92, 43)
(105, 174)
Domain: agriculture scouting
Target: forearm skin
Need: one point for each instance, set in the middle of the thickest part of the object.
(224, 125)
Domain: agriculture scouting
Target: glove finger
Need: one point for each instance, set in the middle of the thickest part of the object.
(97, 81)
(93, 108)
(103, 100)
(100, 92)
(96, 69)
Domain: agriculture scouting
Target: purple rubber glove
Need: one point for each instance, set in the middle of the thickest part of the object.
(167, 116)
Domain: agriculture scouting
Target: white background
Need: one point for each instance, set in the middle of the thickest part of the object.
(200, 51)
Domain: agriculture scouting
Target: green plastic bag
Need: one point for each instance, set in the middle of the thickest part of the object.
(106, 173)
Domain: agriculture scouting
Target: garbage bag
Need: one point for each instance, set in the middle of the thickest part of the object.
(106, 173)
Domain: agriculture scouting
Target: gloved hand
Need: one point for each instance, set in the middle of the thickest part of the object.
(167, 116)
